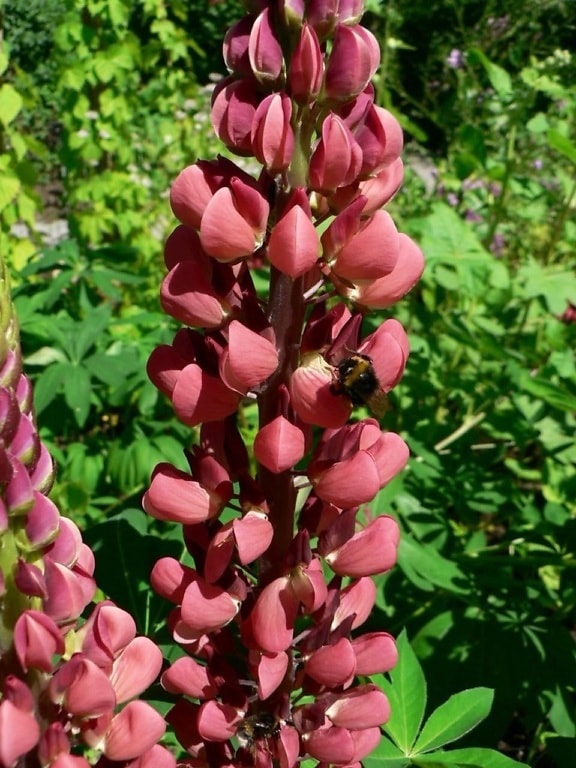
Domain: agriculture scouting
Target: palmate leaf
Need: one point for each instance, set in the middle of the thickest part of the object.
(406, 691)
(456, 717)
(466, 758)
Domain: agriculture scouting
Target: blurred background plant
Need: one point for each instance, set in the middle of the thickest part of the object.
(102, 102)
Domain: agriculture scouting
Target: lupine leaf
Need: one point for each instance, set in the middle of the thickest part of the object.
(467, 758)
(456, 717)
(406, 691)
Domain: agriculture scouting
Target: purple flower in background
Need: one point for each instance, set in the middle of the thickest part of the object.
(497, 245)
(452, 199)
(538, 164)
(455, 59)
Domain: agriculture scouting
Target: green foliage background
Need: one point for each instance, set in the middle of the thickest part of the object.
(102, 102)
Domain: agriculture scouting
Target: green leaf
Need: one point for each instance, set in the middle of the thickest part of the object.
(406, 691)
(10, 103)
(90, 329)
(49, 384)
(499, 78)
(562, 144)
(77, 389)
(467, 758)
(457, 716)
(422, 560)
(8, 189)
(386, 755)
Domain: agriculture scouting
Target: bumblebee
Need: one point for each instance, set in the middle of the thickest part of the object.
(357, 380)
(257, 729)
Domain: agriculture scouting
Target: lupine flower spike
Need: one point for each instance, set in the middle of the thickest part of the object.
(66, 686)
(269, 611)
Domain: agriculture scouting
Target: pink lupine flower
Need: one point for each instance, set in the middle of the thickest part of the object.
(249, 359)
(313, 398)
(353, 60)
(235, 47)
(174, 495)
(279, 445)
(306, 67)
(375, 653)
(337, 160)
(362, 707)
(264, 50)
(187, 295)
(234, 104)
(332, 665)
(293, 246)
(36, 640)
(272, 135)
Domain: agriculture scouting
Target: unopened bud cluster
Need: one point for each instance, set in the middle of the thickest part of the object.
(283, 551)
(62, 682)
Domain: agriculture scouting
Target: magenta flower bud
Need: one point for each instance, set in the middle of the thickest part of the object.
(66, 598)
(322, 15)
(82, 688)
(188, 296)
(199, 397)
(356, 600)
(272, 135)
(330, 744)
(19, 732)
(29, 579)
(371, 253)
(235, 47)
(294, 246)
(234, 104)
(67, 545)
(170, 579)
(36, 640)
(218, 721)
(264, 50)
(312, 396)
(206, 607)
(174, 495)
(249, 359)
(363, 707)
(337, 160)
(306, 67)
(272, 618)
(234, 222)
(350, 11)
(19, 492)
(42, 523)
(106, 633)
(377, 190)
(190, 678)
(293, 11)
(375, 653)
(270, 672)
(279, 445)
(387, 290)
(371, 136)
(353, 60)
(332, 665)
(53, 742)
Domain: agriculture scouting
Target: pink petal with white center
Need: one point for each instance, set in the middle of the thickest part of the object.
(332, 665)
(19, 733)
(371, 551)
(136, 668)
(312, 397)
(224, 232)
(190, 678)
(356, 600)
(217, 721)
(330, 744)
(206, 607)
(385, 291)
(251, 358)
(272, 618)
(363, 707)
(279, 445)
(133, 731)
(348, 483)
(174, 496)
(199, 397)
(253, 534)
(375, 653)
(294, 246)
(270, 672)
